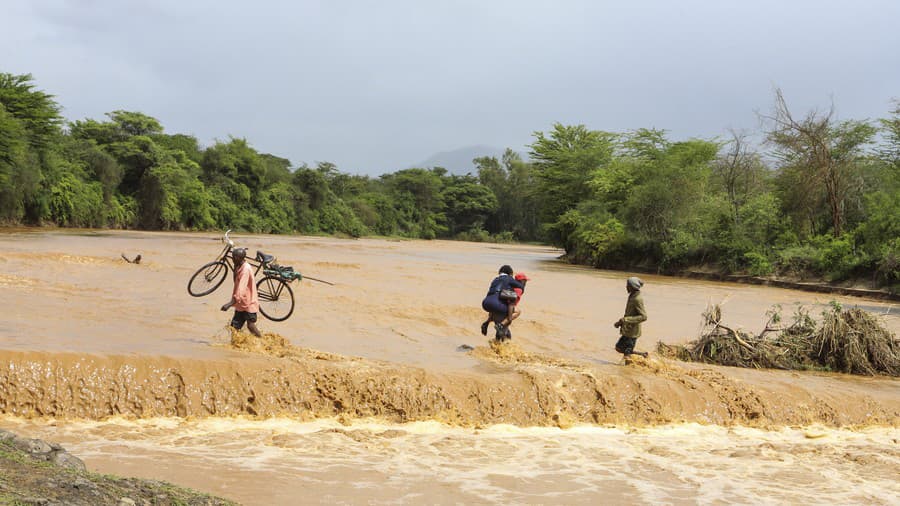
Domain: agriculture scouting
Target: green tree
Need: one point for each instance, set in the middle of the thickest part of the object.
(36, 110)
(15, 160)
(136, 155)
(890, 127)
(740, 173)
(235, 160)
(276, 209)
(186, 144)
(564, 162)
(91, 162)
(314, 185)
(418, 193)
(29, 123)
(74, 203)
(172, 198)
(121, 126)
(826, 152)
(668, 187)
(132, 123)
(515, 186)
(634, 152)
(131, 139)
(278, 170)
(468, 204)
(99, 132)
(591, 235)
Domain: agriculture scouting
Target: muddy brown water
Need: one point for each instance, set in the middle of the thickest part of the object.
(368, 399)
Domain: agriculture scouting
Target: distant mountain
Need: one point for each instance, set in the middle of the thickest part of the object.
(459, 161)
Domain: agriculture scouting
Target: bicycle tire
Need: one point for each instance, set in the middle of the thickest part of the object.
(276, 299)
(208, 278)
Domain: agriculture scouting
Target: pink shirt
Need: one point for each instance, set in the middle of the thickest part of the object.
(244, 294)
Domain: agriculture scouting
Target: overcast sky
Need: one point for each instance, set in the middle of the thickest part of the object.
(376, 86)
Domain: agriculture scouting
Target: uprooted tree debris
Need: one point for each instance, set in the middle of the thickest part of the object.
(845, 340)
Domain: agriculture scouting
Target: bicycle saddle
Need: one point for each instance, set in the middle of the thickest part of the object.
(264, 258)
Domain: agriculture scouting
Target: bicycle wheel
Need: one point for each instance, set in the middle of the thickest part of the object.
(207, 278)
(276, 299)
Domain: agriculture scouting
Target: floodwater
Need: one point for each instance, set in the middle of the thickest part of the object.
(280, 461)
(369, 400)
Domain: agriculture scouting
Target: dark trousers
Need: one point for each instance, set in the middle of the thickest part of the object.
(626, 345)
(240, 317)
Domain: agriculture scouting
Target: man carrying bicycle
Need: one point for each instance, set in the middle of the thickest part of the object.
(244, 297)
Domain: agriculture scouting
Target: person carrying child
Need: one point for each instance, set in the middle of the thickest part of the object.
(501, 301)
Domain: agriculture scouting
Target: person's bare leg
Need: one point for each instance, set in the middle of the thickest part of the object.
(511, 308)
(511, 315)
(251, 326)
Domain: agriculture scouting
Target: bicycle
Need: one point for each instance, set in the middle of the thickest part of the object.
(276, 299)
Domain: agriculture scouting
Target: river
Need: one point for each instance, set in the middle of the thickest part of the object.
(370, 400)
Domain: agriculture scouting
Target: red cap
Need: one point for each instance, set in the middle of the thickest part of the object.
(521, 276)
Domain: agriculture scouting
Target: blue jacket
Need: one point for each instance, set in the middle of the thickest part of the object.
(502, 282)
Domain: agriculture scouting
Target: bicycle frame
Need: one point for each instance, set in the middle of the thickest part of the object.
(275, 294)
(225, 256)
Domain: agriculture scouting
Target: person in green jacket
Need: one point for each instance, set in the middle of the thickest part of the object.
(630, 325)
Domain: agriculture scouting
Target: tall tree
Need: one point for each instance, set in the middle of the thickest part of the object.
(418, 194)
(891, 130)
(564, 161)
(468, 204)
(29, 125)
(668, 188)
(234, 160)
(36, 110)
(828, 152)
(18, 166)
(740, 172)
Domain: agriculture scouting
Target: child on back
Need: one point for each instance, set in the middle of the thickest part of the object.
(512, 313)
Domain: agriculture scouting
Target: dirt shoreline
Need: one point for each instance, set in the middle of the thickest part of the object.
(817, 287)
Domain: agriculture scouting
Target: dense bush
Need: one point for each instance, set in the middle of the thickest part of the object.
(889, 263)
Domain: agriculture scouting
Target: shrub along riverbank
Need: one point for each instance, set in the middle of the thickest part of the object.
(819, 199)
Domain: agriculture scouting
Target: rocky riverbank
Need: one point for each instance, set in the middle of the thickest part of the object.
(37, 472)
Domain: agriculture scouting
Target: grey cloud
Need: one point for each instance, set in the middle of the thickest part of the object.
(376, 86)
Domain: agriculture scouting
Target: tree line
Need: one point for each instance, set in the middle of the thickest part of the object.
(821, 197)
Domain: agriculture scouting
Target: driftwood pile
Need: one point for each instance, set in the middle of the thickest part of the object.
(849, 341)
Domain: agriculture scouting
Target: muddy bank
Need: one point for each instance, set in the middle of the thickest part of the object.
(807, 286)
(851, 288)
(38, 472)
(274, 378)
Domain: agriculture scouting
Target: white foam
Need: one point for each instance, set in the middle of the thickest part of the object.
(504, 463)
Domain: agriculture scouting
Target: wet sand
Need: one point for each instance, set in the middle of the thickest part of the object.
(93, 338)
